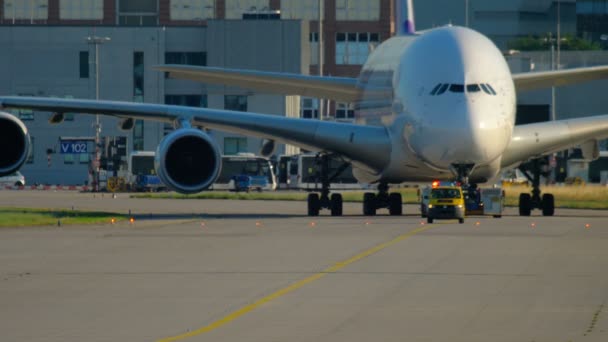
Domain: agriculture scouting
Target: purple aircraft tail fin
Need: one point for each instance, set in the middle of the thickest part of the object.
(404, 17)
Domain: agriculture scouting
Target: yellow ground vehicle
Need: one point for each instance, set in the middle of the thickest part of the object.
(446, 202)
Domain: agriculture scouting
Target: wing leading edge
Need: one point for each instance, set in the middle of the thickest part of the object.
(539, 139)
(556, 78)
(367, 146)
(336, 88)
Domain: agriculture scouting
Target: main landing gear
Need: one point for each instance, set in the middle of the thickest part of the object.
(527, 202)
(371, 202)
(316, 201)
(392, 201)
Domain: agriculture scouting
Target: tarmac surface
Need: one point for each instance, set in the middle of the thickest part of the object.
(212, 270)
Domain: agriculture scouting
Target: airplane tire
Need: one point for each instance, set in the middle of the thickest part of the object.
(548, 204)
(336, 205)
(429, 220)
(525, 204)
(395, 204)
(369, 204)
(314, 205)
(461, 220)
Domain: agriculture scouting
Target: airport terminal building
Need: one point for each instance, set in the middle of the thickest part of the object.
(50, 48)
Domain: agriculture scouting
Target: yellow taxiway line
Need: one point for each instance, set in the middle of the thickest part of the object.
(332, 269)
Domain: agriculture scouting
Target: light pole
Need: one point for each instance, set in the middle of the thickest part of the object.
(321, 2)
(95, 40)
(466, 13)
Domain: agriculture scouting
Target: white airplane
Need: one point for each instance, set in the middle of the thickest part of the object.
(432, 105)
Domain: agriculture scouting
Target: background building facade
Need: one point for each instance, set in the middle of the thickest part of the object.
(45, 53)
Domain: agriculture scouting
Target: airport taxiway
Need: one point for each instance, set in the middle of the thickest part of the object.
(206, 270)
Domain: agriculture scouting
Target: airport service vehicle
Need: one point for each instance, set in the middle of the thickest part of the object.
(424, 198)
(424, 195)
(493, 200)
(244, 172)
(435, 104)
(473, 204)
(446, 202)
(477, 201)
(283, 181)
(141, 174)
(247, 183)
(14, 179)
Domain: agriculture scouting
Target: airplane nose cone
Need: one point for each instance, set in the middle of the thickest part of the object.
(463, 135)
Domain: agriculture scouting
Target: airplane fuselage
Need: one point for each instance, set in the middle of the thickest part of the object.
(452, 104)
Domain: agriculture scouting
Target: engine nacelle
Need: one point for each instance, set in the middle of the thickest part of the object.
(188, 161)
(14, 144)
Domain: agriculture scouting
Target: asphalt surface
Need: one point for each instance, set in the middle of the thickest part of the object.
(206, 270)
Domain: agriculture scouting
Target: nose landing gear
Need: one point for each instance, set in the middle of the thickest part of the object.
(527, 202)
(462, 172)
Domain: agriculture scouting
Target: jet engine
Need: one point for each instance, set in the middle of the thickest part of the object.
(188, 161)
(14, 144)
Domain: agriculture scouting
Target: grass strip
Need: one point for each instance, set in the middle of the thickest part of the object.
(27, 217)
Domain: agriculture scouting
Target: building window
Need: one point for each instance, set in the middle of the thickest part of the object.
(234, 145)
(345, 111)
(30, 10)
(597, 7)
(25, 114)
(313, 38)
(68, 159)
(187, 58)
(138, 76)
(354, 48)
(138, 12)
(138, 96)
(300, 9)
(84, 64)
(309, 108)
(83, 158)
(81, 9)
(235, 102)
(368, 10)
(138, 135)
(236, 8)
(30, 154)
(192, 9)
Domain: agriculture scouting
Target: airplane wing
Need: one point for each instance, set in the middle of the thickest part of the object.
(556, 78)
(367, 146)
(540, 139)
(336, 88)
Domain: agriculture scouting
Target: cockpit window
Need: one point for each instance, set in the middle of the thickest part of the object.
(473, 88)
(434, 91)
(491, 89)
(460, 88)
(442, 89)
(457, 88)
(485, 89)
(488, 89)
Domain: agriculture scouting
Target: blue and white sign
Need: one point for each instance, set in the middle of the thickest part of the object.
(74, 147)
